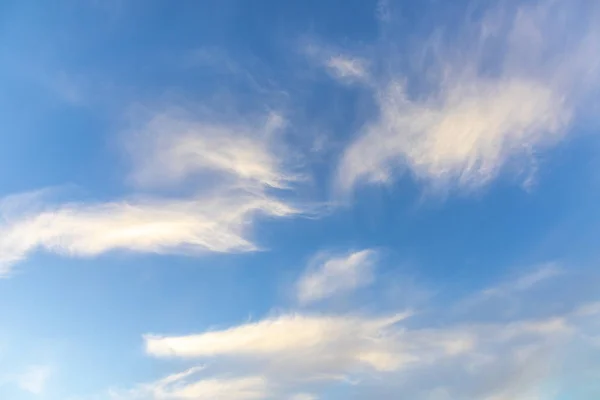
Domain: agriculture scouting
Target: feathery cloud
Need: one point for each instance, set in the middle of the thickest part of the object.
(294, 350)
(432, 355)
(327, 276)
(465, 137)
(174, 146)
(474, 116)
(33, 379)
(236, 157)
(217, 223)
(521, 284)
(347, 68)
(188, 385)
(295, 341)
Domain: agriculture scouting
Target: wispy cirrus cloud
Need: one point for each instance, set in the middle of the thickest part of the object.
(303, 396)
(240, 170)
(544, 274)
(429, 355)
(292, 343)
(173, 146)
(425, 357)
(343, 66)
(347, 68)
(466, 137)
(475, 114)
(33, 379)
(328, 275)
(312, 351)
(189, 385)
(210, 223)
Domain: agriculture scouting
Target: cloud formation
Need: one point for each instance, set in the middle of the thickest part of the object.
(465, 137)
(188, 385)
(296, 342)
(475, 114)
(240, 171)
(294, 349)
(342, 66)
(33, 379)
(174, 146)
(217, 223)
(328, 275)
(425, 357)
(347, 68)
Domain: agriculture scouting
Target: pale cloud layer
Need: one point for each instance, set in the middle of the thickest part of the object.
(342, 66)
(188, 385)
(303, 396)
(378, 357)
(294, 341)
(347, 68)
(312, 350)
(174, 146)
(428, 356)
(239, 165)
(479, 119)
(34, 379)
(466, 136)
(329, 275)
(216, 223)
(500, 292)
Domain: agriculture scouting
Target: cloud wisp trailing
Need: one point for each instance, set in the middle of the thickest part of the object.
(33, 379)
(474, 116)
(345, 68)
(217, 223)
(293, 343)
(330, 275)
(189, 385)
(169, 150)
(380, 356)
(174, 146)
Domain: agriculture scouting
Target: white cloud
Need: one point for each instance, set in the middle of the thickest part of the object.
(523, 283)
(475, 116)
(331, 275)
(216, 223)
(301, 347)
(429, 356)
(188, 385)
(303, 396)
(297, 342)
(346, 67)
(294, 350)
(240, 167)
(34, 379)
(174, 146)
(537, 276)
(466, 136)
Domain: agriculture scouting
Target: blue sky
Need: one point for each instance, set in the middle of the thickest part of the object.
(299, 200)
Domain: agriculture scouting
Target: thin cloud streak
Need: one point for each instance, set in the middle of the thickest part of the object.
(347, 68)
(342, 66)
(241, 175)
(34, 379)
(218, 223)
(294, 350)
(328, 276)
(188, 385)
(278, 338)
(430, 355)
(478, 117)
(174, 146)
